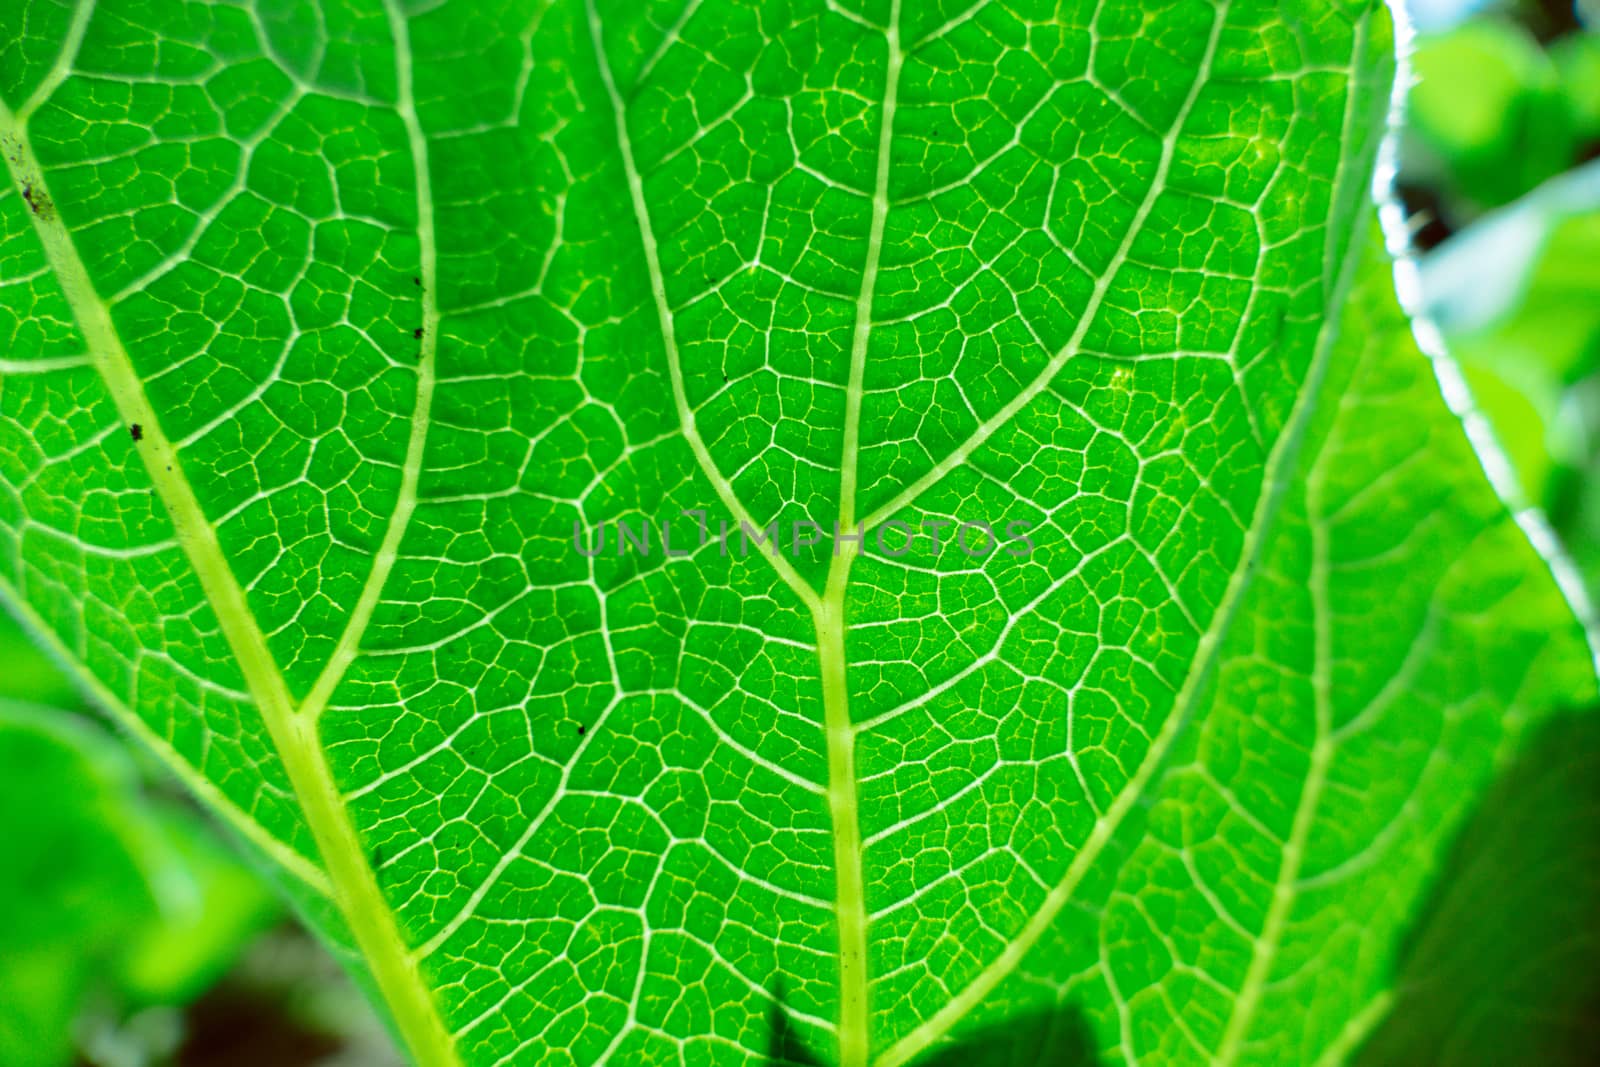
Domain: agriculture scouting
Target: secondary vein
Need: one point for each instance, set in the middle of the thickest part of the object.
(1285, 454)
(936, 1026)
(354, 886)
(70, 46)
(1285, 889)
(854, 388)
(669, 337)
(349, 645)
(313, 876)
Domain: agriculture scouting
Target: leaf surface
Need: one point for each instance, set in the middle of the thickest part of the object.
(333, 328)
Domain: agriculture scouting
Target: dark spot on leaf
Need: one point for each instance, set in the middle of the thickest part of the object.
(136, 432)
(377, 857)
(417, 333)
(580, 731)
(416, 281)
(38, 202)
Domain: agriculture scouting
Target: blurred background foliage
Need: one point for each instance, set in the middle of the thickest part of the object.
(131, 935)
(1500, 171)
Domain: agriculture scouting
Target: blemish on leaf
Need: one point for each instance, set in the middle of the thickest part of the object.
(38, 202)
(580, 731)
(136, 432)
(417, 333)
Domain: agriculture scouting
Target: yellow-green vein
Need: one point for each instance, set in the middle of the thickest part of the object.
(421, 414)
(1285, 453)
(354, 886)
(832, 617)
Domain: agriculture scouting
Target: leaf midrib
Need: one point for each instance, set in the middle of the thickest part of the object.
(830, 612)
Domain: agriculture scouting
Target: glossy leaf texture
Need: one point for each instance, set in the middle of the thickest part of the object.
(332, 327)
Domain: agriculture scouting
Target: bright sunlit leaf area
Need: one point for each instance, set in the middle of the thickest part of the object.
(799, 532)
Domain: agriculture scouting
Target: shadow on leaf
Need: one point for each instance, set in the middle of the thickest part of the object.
(784, 1047)
(1058, 1038)
(1503, 966)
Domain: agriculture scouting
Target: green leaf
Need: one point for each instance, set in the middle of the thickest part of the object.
(106, 890)
(1529, 856)
(334, 328)
(30, 676)
(1488, 118)
(1514, 298)
(1577, 61)
(71, 885)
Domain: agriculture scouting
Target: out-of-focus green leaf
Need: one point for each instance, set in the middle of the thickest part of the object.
(1575, 503)
(1548, 343)
(210, 903)
(104, 888)
(1523, 987)
(1488, 119)
(69, 888)
(30, 676)
(1515, 298)
(1577, 62)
